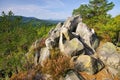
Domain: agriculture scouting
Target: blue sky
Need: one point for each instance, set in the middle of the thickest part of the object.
(48, 9)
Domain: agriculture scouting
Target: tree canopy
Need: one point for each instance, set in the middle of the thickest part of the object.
(95, 11)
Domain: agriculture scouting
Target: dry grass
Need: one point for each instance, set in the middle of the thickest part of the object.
(29, 75)
(57, 65)
(23, 76)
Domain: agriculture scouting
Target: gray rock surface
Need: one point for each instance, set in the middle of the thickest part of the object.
(51, 43)
(108, 54)
(113, 60)
(72, 22)
(108, 48)
(113, 71)
(88, 35)
(54, 35)
(55, 32)
(72, 48)
(88, 64)
(44, 54)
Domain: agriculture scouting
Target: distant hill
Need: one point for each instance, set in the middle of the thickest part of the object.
(38, 22)
(35, 21)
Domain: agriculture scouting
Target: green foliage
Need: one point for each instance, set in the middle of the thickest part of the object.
(110, 30)
(15, 39)
(94, 12)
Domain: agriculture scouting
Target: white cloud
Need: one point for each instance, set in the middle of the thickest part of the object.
(54, 3)
(48, 11)
(35, 11)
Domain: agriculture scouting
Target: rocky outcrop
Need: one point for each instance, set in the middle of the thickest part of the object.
(75, 40)
(73, 31)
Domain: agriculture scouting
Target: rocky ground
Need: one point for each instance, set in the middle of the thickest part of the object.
(78, 45)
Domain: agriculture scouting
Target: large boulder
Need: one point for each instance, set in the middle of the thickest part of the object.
(109, 55)
(72, 48)
(88, 64)
(88, 35)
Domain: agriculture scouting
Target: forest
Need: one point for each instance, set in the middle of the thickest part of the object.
(16, 37)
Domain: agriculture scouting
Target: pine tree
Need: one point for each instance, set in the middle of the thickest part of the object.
(95, 11)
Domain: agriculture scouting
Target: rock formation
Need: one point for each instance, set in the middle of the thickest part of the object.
(74, 39)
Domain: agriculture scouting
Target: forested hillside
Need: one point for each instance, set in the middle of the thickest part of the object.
(17, 33)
